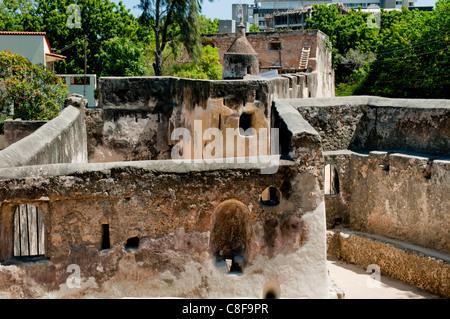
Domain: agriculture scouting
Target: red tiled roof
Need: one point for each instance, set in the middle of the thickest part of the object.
(21, 33)
(56, 55)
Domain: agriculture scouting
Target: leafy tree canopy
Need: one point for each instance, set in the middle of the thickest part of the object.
(405, 55)
(208, 68)
(173, 22)
(101, 21)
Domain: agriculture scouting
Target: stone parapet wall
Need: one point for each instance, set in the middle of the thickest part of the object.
(139, 114)
(374, 123)
(395, 195)
(61, 140)
(170, 207)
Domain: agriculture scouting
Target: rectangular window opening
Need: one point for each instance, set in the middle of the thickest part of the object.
(105, 237)
(274, 46)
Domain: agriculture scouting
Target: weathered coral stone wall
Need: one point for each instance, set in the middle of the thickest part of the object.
(170, 213)
(15, 130)
(423, 268)
(394, 195)
(61, 140)
(139, 114)
(374, 123)
(392, 162)
(169, 207)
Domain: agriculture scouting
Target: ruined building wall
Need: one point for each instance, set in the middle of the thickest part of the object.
(284, 49)
(139, 114)
(276, 48)
(391, 158)
(395, 195)
(173, 212)
(15, 130)
(62, 140)
(374, 123)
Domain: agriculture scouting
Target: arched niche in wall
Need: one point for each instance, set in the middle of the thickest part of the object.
(271, 290)
(331, 180)
(271, 196)
(230, 234)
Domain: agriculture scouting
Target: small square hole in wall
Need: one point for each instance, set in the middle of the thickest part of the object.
(337, 222)
(132, 243)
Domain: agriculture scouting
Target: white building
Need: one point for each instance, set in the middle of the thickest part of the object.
(34, 46)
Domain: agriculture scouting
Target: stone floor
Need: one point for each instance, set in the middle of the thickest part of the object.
(356, 283)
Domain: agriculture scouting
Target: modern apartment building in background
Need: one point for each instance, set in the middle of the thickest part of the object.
(257, 12)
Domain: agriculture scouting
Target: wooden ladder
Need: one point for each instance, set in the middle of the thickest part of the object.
(304, 58)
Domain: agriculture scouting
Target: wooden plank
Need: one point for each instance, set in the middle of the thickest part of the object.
(17, 244)
(23, 230)
(41, 233)
(32, 230)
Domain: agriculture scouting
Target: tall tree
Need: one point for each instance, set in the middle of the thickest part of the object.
(414, 57)
(102, 21)
(173, 21)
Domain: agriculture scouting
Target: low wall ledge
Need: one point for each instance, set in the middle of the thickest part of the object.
(432, 253)
(374, 101)
(162, 166)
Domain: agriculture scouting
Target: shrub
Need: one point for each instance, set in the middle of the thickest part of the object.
(34, 92)
(208, 68)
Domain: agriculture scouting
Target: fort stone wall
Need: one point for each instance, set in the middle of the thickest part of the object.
(61, 140)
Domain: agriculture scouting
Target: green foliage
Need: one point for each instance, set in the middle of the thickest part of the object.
(209, 25)
(410, 49)
(101, 20)
(35, 92)
(208, 67)
(122, 57)
(118, 44)
(174, 22)
(413, 61)
(254, 28)
(18, 15)
(353, 82)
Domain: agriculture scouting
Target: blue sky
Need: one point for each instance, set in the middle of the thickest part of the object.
(222, 8)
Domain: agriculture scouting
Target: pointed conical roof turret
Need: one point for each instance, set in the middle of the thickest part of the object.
(241, 44)
(240, 59)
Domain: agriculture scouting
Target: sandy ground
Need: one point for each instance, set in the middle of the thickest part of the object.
(359, 284)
